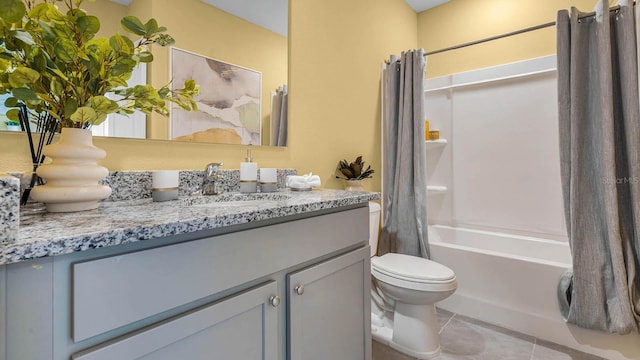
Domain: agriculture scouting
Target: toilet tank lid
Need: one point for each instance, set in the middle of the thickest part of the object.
(411, 268)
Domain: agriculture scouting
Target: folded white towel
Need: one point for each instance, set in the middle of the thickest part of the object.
(303, 181)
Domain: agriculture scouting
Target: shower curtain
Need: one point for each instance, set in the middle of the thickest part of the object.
(279, 116)
(404, 190)
(600, 167)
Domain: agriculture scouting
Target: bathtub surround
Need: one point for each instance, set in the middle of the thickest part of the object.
(485, 263)
(600, 142)
(404, 225)
(9, 208)
(492, 157)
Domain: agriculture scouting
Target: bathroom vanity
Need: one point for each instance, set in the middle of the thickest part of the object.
(280, 277)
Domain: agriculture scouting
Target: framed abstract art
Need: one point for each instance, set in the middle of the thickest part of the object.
(229, 104)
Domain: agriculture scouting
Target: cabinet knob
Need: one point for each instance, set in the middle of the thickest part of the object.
(274, 300)
(299, 289)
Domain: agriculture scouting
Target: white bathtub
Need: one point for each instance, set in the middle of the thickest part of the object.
(511, 281)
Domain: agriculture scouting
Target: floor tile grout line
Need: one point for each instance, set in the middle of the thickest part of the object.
(447, 323)
(533, 349)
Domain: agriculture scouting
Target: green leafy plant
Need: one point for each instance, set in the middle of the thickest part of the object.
(12, 123)
(354, 170)
(51, 61)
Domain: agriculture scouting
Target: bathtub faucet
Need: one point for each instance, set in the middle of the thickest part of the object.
(210, 181)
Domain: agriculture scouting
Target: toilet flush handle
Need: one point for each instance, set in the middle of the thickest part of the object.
(299, 289)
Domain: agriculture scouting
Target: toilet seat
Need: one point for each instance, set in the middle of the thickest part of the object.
(412, 272)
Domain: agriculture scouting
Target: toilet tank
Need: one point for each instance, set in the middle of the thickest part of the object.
(374, 226)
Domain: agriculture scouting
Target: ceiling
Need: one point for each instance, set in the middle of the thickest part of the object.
(272, 14)
(422, 5)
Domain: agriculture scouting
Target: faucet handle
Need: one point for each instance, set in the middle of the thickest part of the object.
(212, 169)
(210, 179)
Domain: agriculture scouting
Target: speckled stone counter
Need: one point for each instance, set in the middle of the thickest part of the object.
(125, 185)
(122, 222)
(9, 208)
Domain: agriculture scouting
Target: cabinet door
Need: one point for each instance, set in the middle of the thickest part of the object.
(329, 309)
(241, 327)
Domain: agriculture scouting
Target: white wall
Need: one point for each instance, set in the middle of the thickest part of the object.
(501, 163)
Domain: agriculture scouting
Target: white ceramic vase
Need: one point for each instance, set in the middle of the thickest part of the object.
(354, 185)
(72, 177)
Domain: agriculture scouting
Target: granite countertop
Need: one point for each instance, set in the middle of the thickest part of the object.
(122, 222)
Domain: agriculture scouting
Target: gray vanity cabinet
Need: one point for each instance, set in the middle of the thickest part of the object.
(292, 289)
(329, 309)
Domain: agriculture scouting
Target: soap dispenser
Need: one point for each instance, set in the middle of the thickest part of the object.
(248, 175)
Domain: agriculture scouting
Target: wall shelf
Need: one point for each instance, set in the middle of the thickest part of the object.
(435, 190)
(438, 142)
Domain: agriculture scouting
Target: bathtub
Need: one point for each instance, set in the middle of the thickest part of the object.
(511, 281)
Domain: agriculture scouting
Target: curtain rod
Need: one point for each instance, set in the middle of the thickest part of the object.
(496, 37)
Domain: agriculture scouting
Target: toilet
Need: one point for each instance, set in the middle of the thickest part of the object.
(403, 295)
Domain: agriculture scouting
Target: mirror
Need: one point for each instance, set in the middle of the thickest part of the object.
(247, 34)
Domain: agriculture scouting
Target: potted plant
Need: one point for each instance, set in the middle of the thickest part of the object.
(353, 172)
(53, 65)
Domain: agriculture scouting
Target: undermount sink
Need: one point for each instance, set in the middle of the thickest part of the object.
(235, 199)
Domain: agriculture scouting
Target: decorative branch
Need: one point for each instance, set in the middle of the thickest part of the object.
(48, 126)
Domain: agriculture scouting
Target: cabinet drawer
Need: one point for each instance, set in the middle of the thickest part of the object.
(119, 290)
(242, 327)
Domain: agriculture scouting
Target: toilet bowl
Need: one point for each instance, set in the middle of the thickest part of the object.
(404, 292)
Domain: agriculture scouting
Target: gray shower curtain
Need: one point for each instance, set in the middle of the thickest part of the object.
(404, 190)
(279, 116)
(600, 167)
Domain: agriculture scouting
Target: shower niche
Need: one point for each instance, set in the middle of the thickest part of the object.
(434, 147)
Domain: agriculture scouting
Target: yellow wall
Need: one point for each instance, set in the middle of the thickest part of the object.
(110, 14)
(337, 48)
(462, 21)
(336, 51)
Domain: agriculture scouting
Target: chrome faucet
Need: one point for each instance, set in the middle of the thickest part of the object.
(210, 184)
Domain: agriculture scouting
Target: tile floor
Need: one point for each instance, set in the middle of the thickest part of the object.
(465, 338)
